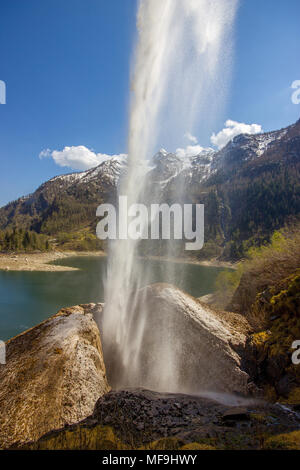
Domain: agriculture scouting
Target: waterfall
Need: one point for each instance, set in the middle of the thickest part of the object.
(180, 76)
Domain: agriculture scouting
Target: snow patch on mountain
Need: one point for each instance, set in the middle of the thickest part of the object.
(109, 168)
(165, 167)
(265, 140)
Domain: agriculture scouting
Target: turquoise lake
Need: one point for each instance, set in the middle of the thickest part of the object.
(27, 298)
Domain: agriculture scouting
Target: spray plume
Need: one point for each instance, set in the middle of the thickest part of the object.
(181, 72)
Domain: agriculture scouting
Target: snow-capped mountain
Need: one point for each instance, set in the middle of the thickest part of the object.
(268, 161)
(109, 170)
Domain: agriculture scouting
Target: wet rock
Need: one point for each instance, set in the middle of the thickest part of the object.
(236, 414)
(183, 346)
(216, 424)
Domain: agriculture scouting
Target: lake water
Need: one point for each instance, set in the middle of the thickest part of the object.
(27, 298)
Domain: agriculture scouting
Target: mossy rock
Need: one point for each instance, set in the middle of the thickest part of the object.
(293, 398)
(283, 299)
(289, 441)
(168, 443)
(259, 418)
(173, 443)
(197, 446)
(80, 438)
(287, 301)
(272, 348)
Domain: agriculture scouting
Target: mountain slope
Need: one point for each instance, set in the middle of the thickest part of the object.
(66, 202)
(250, 188)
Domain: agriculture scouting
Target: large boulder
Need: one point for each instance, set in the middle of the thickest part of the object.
(54, 375)
(142, 419)
(175, 343)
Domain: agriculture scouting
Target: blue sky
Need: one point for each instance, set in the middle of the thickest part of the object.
(66, 67)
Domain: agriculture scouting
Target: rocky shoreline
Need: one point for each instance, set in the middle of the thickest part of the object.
(213, 263)
(40, 261)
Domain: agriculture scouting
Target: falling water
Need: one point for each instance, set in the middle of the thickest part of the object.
(181, 72)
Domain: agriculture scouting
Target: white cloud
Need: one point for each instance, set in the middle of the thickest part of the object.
(45, 153)
(231, 130)
(190, 151)
(77, 158)
(191, 138)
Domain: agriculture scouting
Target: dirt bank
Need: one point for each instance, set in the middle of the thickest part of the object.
(40, 261)
(212, 263)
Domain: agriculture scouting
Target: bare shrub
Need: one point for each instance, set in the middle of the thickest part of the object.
(265, 268)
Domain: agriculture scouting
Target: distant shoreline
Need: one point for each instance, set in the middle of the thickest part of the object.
(213, 263)
(39, 261)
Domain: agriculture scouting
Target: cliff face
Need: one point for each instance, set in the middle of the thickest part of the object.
(54, 375)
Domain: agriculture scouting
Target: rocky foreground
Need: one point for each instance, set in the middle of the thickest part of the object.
(142, 419)
(54, 375)
(55, 393)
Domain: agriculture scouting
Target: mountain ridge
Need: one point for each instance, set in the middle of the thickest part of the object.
(249, 172)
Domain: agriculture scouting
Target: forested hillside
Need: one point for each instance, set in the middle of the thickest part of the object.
(23, 240)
